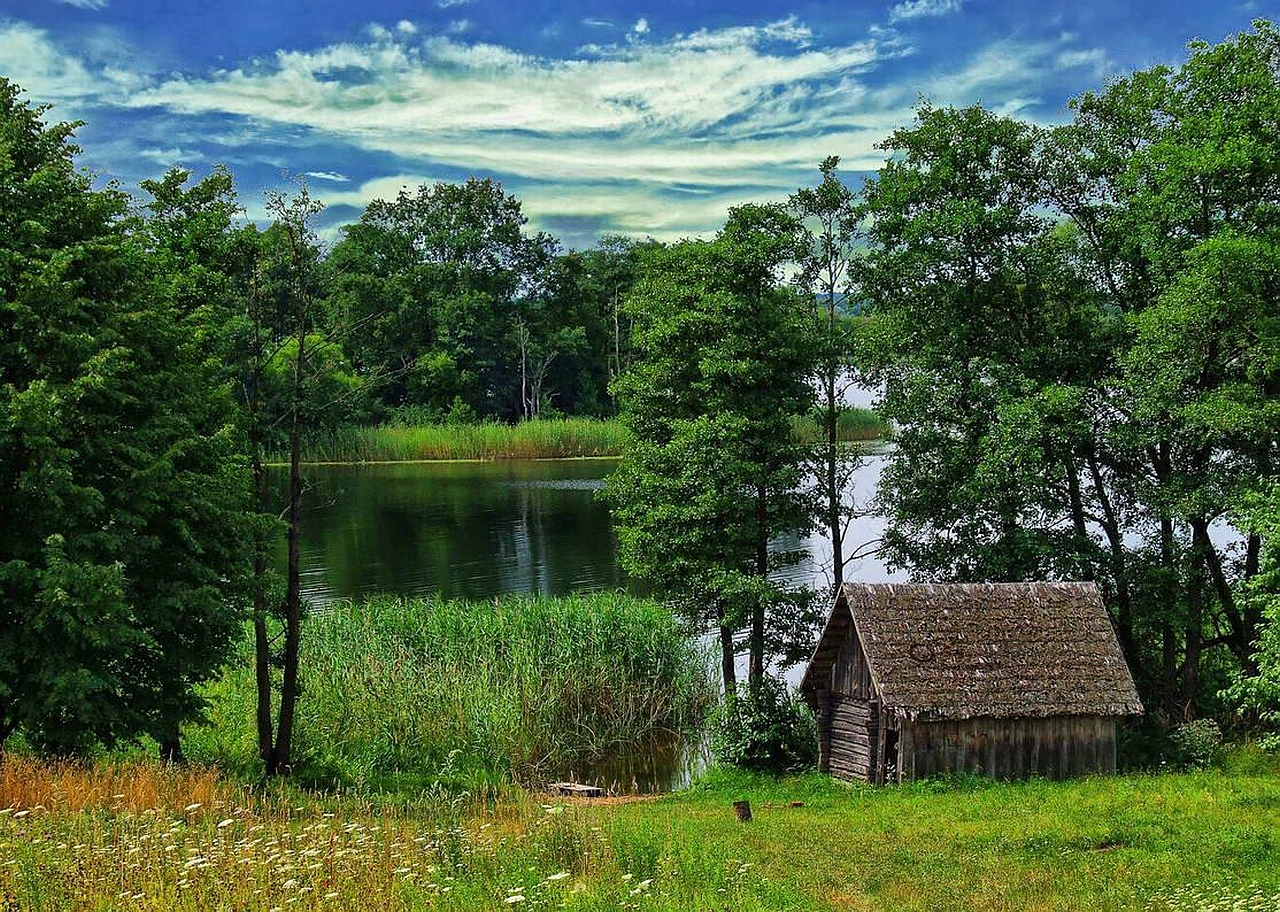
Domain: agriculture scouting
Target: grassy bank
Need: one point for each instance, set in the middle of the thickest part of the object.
(148, 839)
(400, 695)
(855, 425)
(559, 438)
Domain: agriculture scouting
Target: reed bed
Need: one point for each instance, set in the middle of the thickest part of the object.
(855, 425)
(407, 695)
(559, 438)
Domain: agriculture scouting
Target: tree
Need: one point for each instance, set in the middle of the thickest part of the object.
(721, 357)
(449, 265)
(123, 525)
(1076, 332)
(298, 255)
(831, 208)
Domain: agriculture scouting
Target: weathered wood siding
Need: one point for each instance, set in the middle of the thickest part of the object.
(852, 717)
(1055, 748)
(853, 738)
(850, 675)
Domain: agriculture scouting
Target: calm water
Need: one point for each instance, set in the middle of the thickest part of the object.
(480, 529)
(476, 530)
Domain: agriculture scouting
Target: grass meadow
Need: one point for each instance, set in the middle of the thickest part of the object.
(139, 837)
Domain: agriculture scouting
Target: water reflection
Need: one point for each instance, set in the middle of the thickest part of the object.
(481, 529)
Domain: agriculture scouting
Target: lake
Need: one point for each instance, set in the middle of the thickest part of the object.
(479, 529)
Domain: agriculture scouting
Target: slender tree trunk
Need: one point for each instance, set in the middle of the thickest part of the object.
(1119, 564)
(261, 641)
(755, 669)
(1194, 628)
(293, 580)
(728, 670)
(831, 465)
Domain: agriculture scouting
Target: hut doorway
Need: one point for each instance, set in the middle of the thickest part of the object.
(890, 755)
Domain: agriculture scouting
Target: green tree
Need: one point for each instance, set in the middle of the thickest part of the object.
(722, 353)
(123, 524)
(1076, 331)
(449, 266)
(830, 213)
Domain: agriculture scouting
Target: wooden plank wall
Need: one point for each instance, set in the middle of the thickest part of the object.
(853, 738)
(1055, 748)
(850, 675)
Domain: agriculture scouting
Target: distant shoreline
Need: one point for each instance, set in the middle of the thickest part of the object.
(536, 440)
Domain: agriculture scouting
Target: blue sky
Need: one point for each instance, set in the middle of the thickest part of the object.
(642, 118)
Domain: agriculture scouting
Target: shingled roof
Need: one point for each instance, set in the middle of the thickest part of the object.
(997, 650)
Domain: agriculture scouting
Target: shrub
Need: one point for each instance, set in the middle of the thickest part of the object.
(774, 732)
(1196, 743)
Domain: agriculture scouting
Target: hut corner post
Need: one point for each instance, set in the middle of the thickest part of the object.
(824, 729)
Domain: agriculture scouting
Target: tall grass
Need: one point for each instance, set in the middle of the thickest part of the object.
(401, 695)
(1198, 842)
(855, 425)
(544, 438)
(558, 438)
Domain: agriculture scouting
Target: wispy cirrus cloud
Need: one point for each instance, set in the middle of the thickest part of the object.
(651, 134)
(332, 176)
(91, 5)
(921, 9)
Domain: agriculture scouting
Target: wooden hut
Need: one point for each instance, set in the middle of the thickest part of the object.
(1005, 679)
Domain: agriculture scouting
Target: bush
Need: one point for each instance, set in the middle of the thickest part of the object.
(1196, 743)
(774, 732)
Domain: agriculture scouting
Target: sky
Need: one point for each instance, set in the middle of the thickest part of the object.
(601, 116)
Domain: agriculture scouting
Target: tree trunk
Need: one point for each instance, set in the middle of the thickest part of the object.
(171, 749)
(261, 642)
(755, 668)
(293, 580)
(728, 671)
(831, 460)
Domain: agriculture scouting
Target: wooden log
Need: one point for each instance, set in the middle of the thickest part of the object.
(742, 810)
(577, 789)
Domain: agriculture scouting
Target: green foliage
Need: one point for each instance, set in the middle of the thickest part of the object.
(1258, 693)
(1196, 742)
(123, 522)
(461, 309)
(404, 694)
(1075, 331)
(721, 359)
(770, 730)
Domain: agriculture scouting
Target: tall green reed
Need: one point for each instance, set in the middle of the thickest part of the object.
(410, 693)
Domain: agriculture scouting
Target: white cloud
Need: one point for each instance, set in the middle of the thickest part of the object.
(920, 9)
(641, 27)
(91, 5)
(459, 26)
(170, 157)
(327, 176)
(654, 136)
(450, 4)
(31, 58)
